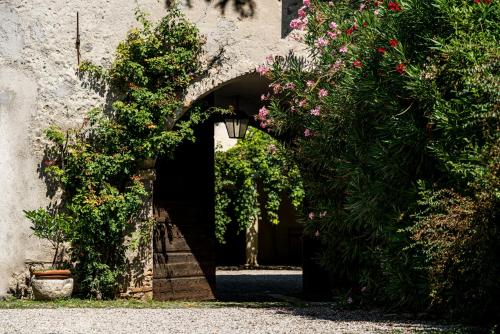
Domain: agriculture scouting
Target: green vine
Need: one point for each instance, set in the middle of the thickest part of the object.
(96, 166)
(256, 159)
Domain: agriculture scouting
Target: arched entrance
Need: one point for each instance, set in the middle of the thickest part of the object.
(184, 252)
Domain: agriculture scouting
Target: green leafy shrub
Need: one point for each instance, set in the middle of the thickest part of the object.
(256, 159)
(97, 166)
(394, 93)
(459, 238)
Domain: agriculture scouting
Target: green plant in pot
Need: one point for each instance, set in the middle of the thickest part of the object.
(54, 282)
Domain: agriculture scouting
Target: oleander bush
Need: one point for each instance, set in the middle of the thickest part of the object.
(393, 119)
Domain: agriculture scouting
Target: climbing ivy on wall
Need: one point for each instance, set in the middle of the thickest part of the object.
(97, 166)
(256, 159)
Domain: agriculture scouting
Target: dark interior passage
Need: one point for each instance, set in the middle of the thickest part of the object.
(183, 244)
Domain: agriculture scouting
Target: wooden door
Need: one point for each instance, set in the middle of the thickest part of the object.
(184, 237)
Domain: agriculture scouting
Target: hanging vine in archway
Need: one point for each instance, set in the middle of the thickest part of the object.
(96, 166)
(257, 158)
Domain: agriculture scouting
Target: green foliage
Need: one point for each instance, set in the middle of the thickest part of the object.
(97, 165)
(257, 159)
(396, 93)
(55, 227)
(458, 237)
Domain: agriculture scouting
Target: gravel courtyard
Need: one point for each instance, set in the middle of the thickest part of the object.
(235, 288)
(210, 320)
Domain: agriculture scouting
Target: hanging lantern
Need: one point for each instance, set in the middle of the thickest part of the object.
(236, 127)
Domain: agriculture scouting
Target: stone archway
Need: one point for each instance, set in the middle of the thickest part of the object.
(183, 202)
(182, 262)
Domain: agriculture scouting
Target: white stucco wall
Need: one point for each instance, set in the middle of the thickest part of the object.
(39, 86)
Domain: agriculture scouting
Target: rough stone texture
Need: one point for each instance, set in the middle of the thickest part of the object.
(138, 280)
(39, 85)
(52, 289)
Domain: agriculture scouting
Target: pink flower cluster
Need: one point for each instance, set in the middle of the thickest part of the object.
(322, 93)
(337, 66)
(316, 111)
(321, 43)
(301, 21)
(334, 31)
(276, 87)
(262, 70)
(262, 117)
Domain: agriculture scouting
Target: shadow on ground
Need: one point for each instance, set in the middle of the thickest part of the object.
(258, 285)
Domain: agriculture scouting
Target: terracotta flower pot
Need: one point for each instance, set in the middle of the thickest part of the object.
(52, 284)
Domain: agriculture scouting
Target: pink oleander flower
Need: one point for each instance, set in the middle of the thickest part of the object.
(264, 97)
(302, 103)
(322, 93)
(270, 59)
(310, 83)
(276, 87)
(263, 112)
(307, 133)
(362, 7)
(265, 123)
(316, 111)
(311, 215)
(376, 12)
(299, 23)
(307, 3)
(302, 12)
(321, 42)
(262, 70)
(333, 26)
(290, 86)
(343, 49)
(332, 34)
(337, 66)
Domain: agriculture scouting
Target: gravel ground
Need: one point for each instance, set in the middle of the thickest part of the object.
(232, 286)
(211, 320)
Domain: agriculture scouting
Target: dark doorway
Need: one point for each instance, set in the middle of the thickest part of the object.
(183, 241)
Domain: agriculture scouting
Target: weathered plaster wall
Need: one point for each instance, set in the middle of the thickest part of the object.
(246, 40)
(39, 85)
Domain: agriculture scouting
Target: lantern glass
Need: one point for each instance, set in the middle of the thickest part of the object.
(236, 127)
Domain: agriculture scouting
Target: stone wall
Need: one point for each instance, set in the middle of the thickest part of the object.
(39, 86)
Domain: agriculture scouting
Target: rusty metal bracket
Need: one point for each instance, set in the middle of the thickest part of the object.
(77, 42)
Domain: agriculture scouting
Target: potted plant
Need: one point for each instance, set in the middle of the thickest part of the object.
(55, 282)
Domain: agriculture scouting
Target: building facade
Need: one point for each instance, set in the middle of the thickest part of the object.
(39, 86)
